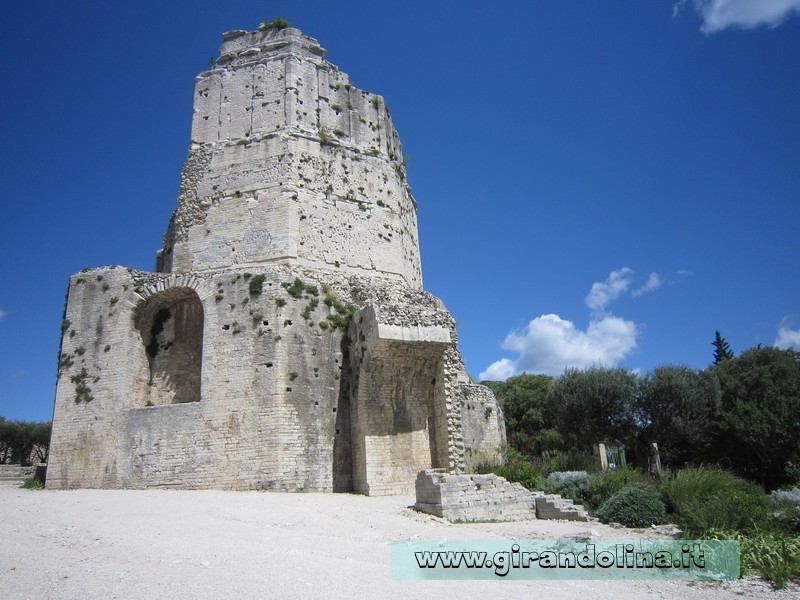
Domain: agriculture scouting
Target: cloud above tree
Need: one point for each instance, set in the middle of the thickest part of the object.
(549, 344)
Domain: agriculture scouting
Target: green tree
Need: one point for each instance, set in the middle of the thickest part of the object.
(759, 418)
(40, 440)
(529, 420)
(676, 409)
(7, 440)
(23, 442)
(722, 350)
(595, 405)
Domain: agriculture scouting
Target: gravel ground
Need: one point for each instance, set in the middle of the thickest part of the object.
(153, 544)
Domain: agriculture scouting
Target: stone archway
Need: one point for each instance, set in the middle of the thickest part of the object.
(170, 324)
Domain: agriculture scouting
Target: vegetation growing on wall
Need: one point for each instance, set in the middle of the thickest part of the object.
(276, 23)
(256, 285)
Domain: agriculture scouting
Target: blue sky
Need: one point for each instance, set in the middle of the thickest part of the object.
(597, 181)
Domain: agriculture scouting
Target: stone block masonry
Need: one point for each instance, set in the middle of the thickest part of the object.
(284, 341)
(471, 498)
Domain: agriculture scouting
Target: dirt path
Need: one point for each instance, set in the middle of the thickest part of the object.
(157, 544)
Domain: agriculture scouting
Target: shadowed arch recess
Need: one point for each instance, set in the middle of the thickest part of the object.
(170, 324)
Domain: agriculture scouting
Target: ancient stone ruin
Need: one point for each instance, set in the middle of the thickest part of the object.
(284, 341)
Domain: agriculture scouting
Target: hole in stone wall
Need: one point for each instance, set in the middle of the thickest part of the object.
(170, 325)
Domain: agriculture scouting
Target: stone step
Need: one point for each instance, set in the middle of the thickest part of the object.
(489, 498)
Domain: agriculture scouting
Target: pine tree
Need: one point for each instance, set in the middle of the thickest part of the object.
(722, 350)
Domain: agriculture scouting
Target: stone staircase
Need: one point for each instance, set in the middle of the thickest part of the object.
(553, 506)
(489, 497)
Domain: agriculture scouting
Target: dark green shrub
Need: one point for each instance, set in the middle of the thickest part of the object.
(604, 485)
(277, 23)
(634, 507)
(568, 484)
(516, 469)
(707, 498)
(520, 472)
(256, 285)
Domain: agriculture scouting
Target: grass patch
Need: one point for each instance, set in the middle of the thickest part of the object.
(32, 483)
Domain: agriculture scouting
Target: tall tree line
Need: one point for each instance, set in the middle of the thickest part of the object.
(742, 412)
(22, 442)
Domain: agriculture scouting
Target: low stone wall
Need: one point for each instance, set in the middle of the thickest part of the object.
(15, 472)
(488, 498)
(472, 497)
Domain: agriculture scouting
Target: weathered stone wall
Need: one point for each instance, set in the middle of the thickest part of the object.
(266, 416)
(472, 497)
(482, 426)
(460, 497)
(290, 163)
(397, 424)
(236, 364)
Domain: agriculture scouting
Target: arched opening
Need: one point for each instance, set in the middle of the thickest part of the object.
(170, 324)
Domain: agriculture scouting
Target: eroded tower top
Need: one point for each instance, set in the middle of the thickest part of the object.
(290, 163)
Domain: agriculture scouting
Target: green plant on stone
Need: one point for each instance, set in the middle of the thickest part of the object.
(256, 284)
(65, 361)
(82, 392)
(276, 23)
(326, 138)
(306, 314)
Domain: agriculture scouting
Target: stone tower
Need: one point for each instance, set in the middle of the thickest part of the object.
(284, 341)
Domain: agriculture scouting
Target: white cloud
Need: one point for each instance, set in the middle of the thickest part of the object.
(602, 293)
(653, 282)
(787, 338)
(747, 14)
(549, 344)
(3, 314)
(499, 370)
